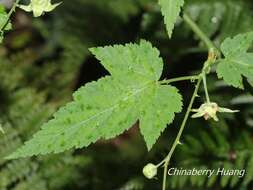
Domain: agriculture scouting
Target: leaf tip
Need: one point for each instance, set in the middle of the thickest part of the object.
(149, 146)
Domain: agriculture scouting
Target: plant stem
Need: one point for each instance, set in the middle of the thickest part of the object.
(201, 77)
(193, 77)
(165, 176)
(205, 87)
(177, 140)
(9, 15)
(195, 28)
(212, 54)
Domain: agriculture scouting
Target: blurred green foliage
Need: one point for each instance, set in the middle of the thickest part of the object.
(42, 61)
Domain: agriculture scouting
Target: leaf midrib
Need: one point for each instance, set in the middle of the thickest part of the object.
(72, 129)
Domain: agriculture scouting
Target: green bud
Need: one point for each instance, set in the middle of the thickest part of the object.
(150, 171)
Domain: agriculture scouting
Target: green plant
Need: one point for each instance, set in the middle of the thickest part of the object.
(106, 108)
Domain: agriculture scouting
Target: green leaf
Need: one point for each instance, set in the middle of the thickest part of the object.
(108, 107)
(4, 18)
(170, 10)
(237, 61)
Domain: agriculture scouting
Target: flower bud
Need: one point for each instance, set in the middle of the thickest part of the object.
(208, 110)
(150, 171)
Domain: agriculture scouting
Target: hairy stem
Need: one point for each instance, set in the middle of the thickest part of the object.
(195, 28)
(214, 52)
(192, 78)
(177, 140)
(9, 15)
(205, 87)
(201, 77)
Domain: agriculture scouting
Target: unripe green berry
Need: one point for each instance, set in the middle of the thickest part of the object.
(150, 171)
